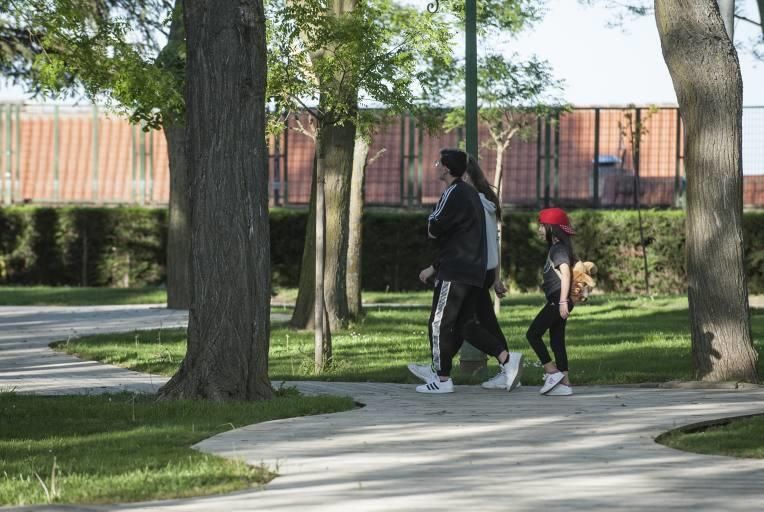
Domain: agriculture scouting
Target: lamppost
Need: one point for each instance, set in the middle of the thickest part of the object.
(472, 361)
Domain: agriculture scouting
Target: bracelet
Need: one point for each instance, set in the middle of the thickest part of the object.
(562, 302)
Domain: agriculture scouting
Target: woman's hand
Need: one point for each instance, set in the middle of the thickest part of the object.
(564, 311)
(426, 274)
(499, 289)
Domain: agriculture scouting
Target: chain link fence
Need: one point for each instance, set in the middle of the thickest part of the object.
(586, 157)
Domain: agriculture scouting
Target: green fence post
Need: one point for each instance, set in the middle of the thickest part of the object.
(142, 162)
(420, 170)
(56, 149)
(8, 173)
(547, 160)
(678, 161)
(2, 155)
(151, 166)
(285, 164)
(556, 121)
(412, 160)
(538, 161)
(402, 174)
(596, 162)
(134, 163)
(94, 156)
(18, 155)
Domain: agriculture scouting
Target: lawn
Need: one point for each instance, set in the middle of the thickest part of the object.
(72, 296)
(739, 438)
(121, 448)
(613, 340)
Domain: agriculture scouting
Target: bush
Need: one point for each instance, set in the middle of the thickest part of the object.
(127, 246)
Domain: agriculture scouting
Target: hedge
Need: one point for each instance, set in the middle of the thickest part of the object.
(126, 247)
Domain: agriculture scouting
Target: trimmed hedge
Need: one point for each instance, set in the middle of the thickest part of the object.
(126, 247)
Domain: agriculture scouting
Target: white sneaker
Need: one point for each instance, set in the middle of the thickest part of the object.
(550, 381)
(509, 374)
(560, 390)
(423, 372)
(513, 368)
(435, 386)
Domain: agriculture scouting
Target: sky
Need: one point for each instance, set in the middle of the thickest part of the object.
(600, 65)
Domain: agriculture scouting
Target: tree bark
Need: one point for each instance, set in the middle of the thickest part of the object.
(302, 316)
(355, 241)
(761, 15)
(335, 153)
(178, 227)
(229, 325)
(705, 70)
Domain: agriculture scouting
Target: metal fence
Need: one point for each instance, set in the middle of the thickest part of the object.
(68, 155)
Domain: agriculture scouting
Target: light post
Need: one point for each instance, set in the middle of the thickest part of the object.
(472, 360)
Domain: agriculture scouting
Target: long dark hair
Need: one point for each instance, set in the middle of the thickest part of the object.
(553, 231)
(455, 160)
(481, 184)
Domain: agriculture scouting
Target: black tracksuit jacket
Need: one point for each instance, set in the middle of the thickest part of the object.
(458, 225)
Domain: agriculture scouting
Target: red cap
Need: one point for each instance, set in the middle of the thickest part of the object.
(556, 217)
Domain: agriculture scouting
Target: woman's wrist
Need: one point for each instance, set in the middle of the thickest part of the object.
(562, 302)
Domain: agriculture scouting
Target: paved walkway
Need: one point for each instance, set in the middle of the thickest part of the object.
(474, 449)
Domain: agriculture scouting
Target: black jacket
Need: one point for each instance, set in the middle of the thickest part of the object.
(458, 225)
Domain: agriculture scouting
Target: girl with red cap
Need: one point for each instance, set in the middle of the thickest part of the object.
(554, 227)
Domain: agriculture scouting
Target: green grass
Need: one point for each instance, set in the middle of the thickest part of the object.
(738, 438)
(66, 296)
(613, 340)
(126, 447)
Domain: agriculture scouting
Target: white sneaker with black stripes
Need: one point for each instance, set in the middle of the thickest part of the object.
(435, 386)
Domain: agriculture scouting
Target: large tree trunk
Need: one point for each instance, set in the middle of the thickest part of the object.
(229, 326)
(355, 241)
(302, 316)
(705, 70)
(761, 15)
(172, 58)
(178, 228)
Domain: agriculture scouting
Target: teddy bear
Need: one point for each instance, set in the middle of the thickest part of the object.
(582, 281)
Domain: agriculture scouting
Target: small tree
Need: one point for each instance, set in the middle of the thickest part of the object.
(330, 54)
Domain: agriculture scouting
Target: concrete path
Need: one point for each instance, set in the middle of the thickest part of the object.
(474, 449)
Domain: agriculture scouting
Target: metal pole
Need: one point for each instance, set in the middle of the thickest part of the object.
(133, 163)
(470, 62)
(151, 166)
(94, 182)
(402, 167)
(8, 176)
(635, 157)
(412, 160)
(276, 169)
(55, 154)
(547, 159)
(18, 155)
(596, 163)
(2, 156)
(142, 161)
(556, 121)
(420, 167)
(538, 161)
(678, 162)
(286, 162)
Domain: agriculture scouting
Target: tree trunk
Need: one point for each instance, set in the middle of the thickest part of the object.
(761, 15)
(335, 154)
(229, 326)
(302, 316)
(355, 241)
(705, 70)
(322, 332)
(178, 227)
(497, 180)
